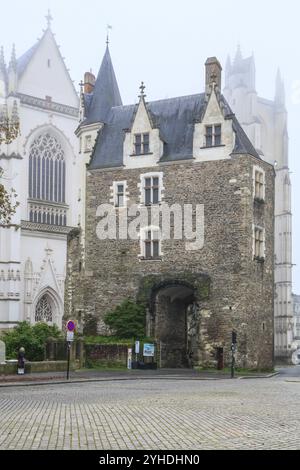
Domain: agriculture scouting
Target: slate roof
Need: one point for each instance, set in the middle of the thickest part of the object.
(175, 118)
(105, 95)
(24, 60)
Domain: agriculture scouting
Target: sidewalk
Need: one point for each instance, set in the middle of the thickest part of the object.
(93, 375)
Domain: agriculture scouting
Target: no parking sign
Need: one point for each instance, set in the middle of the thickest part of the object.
(71, 326)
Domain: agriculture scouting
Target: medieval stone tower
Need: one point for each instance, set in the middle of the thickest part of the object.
(265, 123)
(167, 156)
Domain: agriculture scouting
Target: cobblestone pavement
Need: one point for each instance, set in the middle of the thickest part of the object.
(158, 414)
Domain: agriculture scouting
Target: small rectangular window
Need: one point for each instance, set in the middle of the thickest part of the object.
(259, 185)
(119, 189)
(213, 135)
(120, 195)
(88, 143)
(259, 243)
(155, 248)
(147, 196)
(152, 244)
(138, 144)
(145, 143)
(217, 135)
(151, 190)
(141, 144)
(209, 136)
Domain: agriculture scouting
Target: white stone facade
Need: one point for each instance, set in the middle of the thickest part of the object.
(296, 299)
(265, 123)
(33, 247)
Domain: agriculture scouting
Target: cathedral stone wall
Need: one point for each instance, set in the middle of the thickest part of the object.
(232, 290)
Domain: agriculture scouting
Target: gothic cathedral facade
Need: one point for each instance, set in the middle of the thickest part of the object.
(265, 122)
(42, 165)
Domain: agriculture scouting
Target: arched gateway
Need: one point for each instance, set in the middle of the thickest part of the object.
(174, 315)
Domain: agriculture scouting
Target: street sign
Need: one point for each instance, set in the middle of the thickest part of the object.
(70, 335)
(71, 325)
(137, 347)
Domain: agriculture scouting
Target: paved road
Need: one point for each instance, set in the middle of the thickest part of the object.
(289, 372)
(158, 414)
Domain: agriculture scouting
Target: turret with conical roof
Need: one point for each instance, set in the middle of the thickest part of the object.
(105, 94)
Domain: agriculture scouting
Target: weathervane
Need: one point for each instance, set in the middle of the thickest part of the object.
(108, 27)
(49, 19)
(142, 88)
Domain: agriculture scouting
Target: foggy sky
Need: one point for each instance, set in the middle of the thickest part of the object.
(165, 43)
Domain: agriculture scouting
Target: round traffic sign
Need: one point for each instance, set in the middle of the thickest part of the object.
(71, 325)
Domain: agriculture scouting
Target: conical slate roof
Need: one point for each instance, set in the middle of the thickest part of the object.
(106, 94)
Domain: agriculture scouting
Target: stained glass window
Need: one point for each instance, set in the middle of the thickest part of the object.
(47, 169)
(43, 311)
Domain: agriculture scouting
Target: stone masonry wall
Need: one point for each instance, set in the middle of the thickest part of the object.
(241, 293)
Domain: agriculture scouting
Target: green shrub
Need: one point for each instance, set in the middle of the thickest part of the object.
(127, 320)
(31, 337)
(90, 325)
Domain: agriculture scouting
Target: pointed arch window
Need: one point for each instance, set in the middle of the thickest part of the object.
(47, 169)
(43, 310)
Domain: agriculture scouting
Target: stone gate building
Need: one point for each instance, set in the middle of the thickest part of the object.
(179, 153)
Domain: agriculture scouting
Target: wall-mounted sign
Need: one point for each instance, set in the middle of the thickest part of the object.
(148, 350)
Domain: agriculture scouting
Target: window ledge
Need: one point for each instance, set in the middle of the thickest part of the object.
(140, 154)
(259, 259)
(259, 200)
(47, 203)
(142, 258)
(212, 146)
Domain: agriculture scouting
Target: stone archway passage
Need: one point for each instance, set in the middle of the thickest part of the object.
(172, 303)
(171, 329)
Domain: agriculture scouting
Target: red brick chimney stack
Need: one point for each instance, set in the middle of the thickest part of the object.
(89, 82)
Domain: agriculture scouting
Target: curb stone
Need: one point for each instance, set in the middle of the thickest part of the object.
(119, 379)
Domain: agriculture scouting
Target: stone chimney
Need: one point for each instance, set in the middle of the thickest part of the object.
(213, 74)
(89, 82)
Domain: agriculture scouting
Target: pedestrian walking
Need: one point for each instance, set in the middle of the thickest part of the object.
(21, 361)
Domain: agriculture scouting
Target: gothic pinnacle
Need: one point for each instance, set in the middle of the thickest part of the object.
(13, 59)
(279, 90)
(2, 60)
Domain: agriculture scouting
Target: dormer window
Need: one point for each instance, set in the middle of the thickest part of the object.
(141, 144)
(213, 135)
(88, 143)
